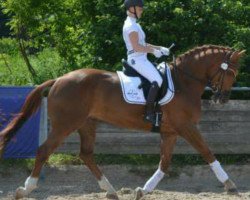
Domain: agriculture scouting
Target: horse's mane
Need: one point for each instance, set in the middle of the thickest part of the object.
(204, 48)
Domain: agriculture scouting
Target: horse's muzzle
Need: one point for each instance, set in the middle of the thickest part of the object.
(222, 97)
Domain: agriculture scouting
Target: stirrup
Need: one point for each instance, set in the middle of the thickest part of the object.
(150, 118)
(158, 117)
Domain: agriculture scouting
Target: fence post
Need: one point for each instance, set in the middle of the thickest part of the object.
(43, 130)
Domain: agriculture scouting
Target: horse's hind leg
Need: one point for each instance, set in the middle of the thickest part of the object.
(55, 138)
(87, 135)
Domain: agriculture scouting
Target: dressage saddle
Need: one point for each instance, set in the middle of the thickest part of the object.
(145, 84)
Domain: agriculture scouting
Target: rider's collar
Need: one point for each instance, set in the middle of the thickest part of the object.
(133, 19)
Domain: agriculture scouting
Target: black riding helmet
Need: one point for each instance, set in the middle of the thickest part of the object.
(133, 3)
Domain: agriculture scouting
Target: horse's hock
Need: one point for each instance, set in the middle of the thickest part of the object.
(226, 128)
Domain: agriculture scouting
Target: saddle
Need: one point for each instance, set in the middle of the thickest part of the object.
(145, 84)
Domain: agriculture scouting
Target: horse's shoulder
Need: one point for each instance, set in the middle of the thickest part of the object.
(185, 108)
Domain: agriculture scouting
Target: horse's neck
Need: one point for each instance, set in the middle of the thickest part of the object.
(193, 76)
(197, 66)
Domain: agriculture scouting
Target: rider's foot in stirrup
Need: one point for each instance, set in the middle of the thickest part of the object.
(150, 118)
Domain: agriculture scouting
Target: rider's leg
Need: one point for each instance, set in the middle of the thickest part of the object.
(144, 67)
(147, 69)
(150, 104)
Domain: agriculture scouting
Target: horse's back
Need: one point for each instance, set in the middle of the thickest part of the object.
(82, 88)
(86, 78)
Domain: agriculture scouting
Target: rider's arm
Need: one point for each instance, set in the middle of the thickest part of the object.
(134, 39)
(154, 46)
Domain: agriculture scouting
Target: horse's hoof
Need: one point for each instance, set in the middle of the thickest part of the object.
(20, 193)
(233, 191)
(231, 188)
(139, 193)
(112, 196)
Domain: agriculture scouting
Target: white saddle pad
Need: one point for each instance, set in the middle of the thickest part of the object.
(132, 94)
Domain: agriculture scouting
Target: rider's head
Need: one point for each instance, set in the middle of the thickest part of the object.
(135, 7)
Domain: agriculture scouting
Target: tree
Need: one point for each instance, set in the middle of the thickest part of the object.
(88, 33)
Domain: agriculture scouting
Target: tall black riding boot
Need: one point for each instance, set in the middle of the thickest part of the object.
(150, 104)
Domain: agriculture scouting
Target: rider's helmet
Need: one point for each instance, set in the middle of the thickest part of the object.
(133, 3)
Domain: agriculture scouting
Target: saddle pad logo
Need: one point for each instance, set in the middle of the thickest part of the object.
(133, 94)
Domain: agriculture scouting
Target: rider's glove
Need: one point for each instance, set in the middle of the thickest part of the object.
(157, 53)
(165, 51)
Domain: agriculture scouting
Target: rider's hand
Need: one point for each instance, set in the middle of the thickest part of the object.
(165, 51)
(157, 53)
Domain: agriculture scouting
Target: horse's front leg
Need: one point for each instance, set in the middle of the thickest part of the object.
(192, 135)
(168, 142)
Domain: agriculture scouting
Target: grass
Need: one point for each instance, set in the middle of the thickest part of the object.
(137, 160)
(16, 74)
(179, 160)
(47, 65)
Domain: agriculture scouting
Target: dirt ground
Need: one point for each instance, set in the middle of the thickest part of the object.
(76, 182)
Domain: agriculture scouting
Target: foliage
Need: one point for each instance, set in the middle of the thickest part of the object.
(88, 33)
(48, 65)
(8, 46)
(17, 74)
(4, 30)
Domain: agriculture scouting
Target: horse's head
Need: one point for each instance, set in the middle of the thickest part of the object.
(223, 75)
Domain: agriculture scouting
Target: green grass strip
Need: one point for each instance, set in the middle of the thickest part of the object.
(178, 160)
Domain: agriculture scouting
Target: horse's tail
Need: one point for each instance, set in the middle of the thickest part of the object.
(31, 104)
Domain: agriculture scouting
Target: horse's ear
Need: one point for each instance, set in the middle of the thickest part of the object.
(237, 55)
(242, 53)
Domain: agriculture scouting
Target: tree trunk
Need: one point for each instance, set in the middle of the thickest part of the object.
(26, 59)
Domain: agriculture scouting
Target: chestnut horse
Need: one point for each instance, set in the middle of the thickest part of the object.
(77, 100)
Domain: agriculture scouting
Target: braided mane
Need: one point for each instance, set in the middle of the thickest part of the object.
(204, 49)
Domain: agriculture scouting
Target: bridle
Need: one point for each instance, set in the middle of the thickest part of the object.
(216, 87)
(226, 66)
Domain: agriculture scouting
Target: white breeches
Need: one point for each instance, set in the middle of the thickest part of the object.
(144, 67)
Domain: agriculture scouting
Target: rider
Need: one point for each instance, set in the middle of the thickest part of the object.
(137, 50)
